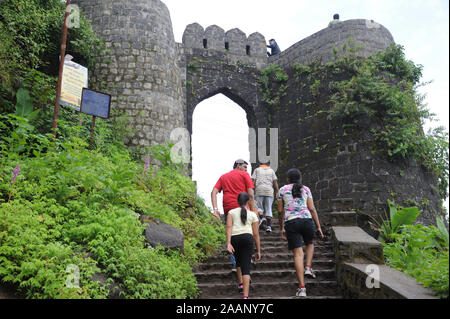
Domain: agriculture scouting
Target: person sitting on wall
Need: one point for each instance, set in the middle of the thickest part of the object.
(274, 48)
(335, 20)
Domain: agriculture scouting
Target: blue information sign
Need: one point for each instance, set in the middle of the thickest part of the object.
(95, 103)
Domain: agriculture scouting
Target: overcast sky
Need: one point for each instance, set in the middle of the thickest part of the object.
(421, 26)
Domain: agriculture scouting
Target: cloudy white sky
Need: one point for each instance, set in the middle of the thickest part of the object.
(421, 26)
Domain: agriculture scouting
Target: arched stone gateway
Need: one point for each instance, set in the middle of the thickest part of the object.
(159, 82)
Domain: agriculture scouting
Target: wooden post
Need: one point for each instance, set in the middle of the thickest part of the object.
(61, 67)
(91, 146)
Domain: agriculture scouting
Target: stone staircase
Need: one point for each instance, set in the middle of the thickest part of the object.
(274, 276)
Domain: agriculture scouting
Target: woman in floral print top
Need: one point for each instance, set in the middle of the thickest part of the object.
(295, 207)
(297, 216)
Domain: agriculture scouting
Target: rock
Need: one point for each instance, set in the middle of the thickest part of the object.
(10, 291)
(161, 233)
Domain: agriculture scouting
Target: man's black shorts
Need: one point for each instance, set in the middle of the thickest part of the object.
(299, 231)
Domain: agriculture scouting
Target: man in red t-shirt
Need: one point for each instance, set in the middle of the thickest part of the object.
(232, 183)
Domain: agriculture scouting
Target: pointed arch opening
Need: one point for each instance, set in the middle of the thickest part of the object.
(220, 135)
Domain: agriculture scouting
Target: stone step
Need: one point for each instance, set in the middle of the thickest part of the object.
(274, 276)
(236, 296)
(280, 242)
(268, 265)
(277, 236)
(280, 289)
(273, 253)
(283, 245)
(275, 249)
(345, 218)
(257, 276)
(280, 255)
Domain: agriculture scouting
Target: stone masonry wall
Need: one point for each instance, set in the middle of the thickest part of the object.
(143, 77)
(371, 36)
(158, 83)
(342, 164)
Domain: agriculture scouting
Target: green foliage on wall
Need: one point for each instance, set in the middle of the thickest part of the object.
(276, 74)
(381, 88)
(384, 88)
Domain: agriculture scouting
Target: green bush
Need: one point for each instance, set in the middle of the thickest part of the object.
(421, 252)
(34, 29)
(30, 41)
(73, 206)
(392, 224)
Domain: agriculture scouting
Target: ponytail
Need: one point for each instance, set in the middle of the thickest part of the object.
(243, 215)
(243, 198)
(295, 177)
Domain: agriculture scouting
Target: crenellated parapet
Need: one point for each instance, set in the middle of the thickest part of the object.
(251, 50)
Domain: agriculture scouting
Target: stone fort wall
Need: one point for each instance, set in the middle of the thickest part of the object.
(159, 82)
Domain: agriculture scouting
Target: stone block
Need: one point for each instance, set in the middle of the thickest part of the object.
(352, 244)
(343, 218)
(365, 281)
(341, 204)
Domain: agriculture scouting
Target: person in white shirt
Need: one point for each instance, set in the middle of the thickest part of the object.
(265, 181)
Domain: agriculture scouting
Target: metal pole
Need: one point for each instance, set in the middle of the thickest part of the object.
(61, 67)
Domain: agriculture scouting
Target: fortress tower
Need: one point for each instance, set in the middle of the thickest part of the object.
(143, 77)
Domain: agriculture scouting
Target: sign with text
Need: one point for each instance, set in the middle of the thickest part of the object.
(74, 79)
(95, 103)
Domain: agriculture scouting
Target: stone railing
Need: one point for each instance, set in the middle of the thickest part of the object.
(360, 269)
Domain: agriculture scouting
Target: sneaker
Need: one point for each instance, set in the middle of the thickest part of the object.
(241, 288)
(262, 222)
(268, 229)
(301, 292)
(309, 272)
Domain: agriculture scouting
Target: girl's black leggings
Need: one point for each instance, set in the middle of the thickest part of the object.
(243, 245)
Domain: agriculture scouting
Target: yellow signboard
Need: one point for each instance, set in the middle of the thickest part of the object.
(75, 78)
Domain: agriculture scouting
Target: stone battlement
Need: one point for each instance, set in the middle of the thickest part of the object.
(234, 42)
